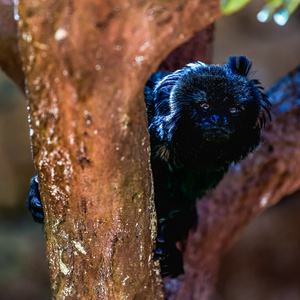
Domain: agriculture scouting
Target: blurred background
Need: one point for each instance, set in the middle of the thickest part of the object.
(264, 264)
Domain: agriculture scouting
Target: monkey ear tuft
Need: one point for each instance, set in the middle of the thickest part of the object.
(240, 65)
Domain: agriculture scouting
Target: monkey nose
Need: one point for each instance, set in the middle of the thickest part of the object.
(214, 119)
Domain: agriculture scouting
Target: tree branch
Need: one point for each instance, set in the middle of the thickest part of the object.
(10, 61)
(86, 63)
(198, 48)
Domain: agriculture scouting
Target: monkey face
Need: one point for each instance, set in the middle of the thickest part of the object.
(213, 110)
(214, 107)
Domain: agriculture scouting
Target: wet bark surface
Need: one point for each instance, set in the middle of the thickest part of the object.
(86, 67)
(10, 61)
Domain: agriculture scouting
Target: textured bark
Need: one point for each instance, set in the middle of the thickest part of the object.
(86, 66)
(261, 180)
(199, 47)
(10, 61)
(86, 63)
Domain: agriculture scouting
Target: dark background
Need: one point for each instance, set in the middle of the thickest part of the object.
(264, 264)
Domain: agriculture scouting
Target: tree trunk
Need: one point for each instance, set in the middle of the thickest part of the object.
(10, 61)
(86, 64)
(198, 48)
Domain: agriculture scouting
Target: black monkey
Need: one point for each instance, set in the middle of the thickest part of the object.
(202, 118)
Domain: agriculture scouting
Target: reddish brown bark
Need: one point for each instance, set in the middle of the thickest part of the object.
(10, 61)
(85, 80)
(86, 63)
(198, 48)
(261, 180)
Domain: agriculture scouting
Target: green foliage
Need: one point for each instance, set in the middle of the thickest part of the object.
(231, 6)
(280, 10)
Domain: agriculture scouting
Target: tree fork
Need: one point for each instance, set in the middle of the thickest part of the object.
(86, 63)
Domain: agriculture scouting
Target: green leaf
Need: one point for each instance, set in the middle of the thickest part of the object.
(291, 5)
(280, 10)
(230, 6)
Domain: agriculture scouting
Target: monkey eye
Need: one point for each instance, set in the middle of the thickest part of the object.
(205, 106)
(233, 110)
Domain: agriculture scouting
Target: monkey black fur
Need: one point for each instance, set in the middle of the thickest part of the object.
(202, 118)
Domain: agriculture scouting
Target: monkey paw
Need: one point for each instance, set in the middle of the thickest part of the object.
(34, 203)
(166, 251)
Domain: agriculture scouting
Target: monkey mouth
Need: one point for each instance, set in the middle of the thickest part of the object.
(217, 134)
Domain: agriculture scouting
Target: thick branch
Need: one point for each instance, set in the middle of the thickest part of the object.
(10, 61)
(198, 48)
(86, 63)
(272, 172)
